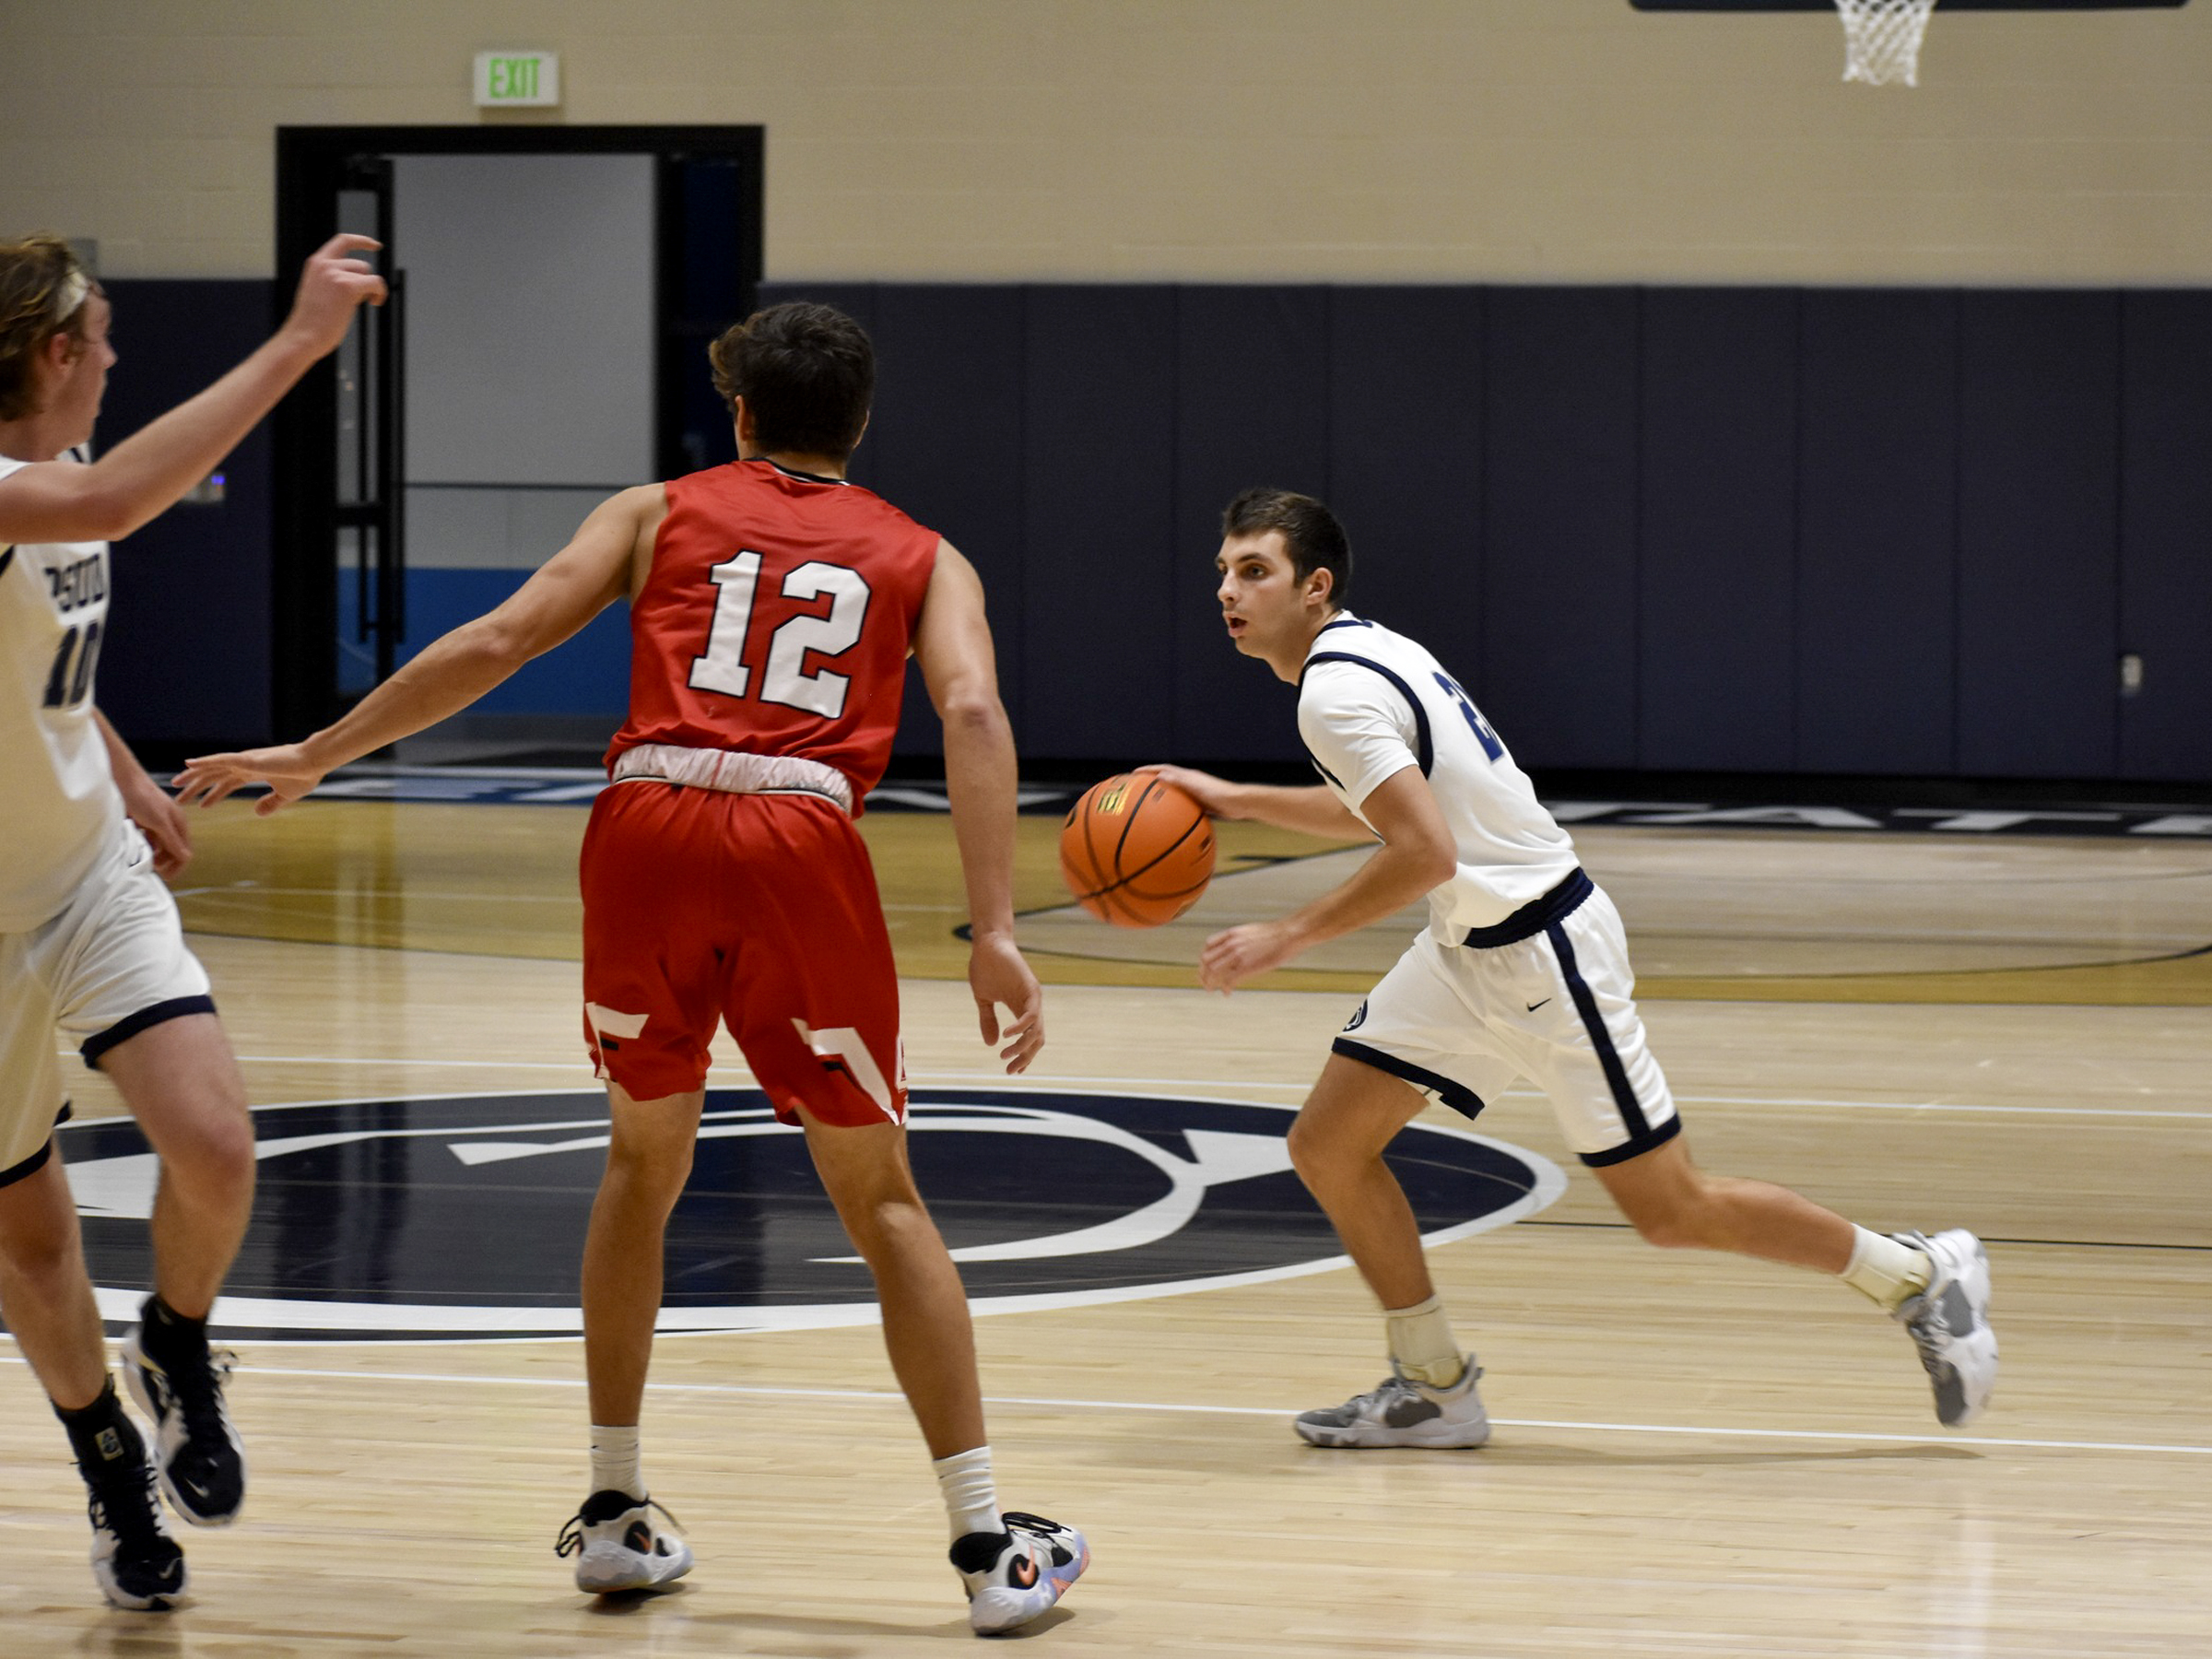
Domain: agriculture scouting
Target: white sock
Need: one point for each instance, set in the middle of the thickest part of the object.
(971, 1497)
(615, 1460)
(1885, 1271)
(1422, 1343)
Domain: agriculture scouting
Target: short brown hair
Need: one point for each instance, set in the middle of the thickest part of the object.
(1310, 533)
(806, 372)
(39, 300)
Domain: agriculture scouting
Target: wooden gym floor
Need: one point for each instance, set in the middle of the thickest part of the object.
(1695, 1455)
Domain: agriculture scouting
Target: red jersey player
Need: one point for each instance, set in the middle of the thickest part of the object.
(773, 609)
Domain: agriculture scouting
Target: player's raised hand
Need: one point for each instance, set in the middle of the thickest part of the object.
(1218, 795)
(997, 974)
(332, 284)
(285, 769)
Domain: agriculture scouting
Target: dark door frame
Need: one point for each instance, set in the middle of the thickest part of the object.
(310, 163)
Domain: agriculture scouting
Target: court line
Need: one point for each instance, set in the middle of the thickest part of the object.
(1056, 1403)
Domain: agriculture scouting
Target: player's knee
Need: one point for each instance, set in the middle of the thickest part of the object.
(41, 1255)
(1315, 1153)
(214, 1155)
(653, 1166)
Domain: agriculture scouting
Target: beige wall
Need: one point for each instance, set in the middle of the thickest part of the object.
(1521, 140)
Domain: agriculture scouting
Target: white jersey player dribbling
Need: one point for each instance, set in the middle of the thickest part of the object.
(1522, 971)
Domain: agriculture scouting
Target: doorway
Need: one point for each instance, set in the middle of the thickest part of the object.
(554, 290)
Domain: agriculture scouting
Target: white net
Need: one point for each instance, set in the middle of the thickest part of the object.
(1881, 40)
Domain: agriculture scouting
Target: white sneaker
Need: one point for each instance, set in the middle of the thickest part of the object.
(1400, 1411)
(1011, 1577)
(1949, 1323)
(618, 1546)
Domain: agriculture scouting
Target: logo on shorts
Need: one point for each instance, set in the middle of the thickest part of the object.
(1357, 1019)
(463, 1215)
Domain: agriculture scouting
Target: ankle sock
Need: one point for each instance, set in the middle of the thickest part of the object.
(1885, 1271)
(970, 1495)
(105, 1442)
(1422, 1343)
(615, 1460)
(168, 1334)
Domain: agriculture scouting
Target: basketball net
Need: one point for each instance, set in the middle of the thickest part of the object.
(1881, 40)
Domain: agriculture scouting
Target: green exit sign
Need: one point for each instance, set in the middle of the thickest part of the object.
(511, 81)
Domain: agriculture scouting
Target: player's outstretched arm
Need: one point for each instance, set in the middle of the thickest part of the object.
(147, 804)
(148, 472)
(1417, 854)
(1311, 810)
(566, 591)
(952, 644)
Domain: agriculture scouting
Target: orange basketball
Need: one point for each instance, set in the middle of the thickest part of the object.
(1136, 851)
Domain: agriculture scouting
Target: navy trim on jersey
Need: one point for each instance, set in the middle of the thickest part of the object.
(804, 478)
(1326, 773)
(1457, 1096)
(1608, 1057)
(1537, 915)
(7, 557)
(30, 1166)
(1345, 622)
(1635, 1148)
(123, 1030)
(1427, 750)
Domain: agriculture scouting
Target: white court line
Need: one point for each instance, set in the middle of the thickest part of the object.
(1055, 1403)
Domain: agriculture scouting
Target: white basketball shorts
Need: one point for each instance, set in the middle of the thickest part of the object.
(1462, 1022)
(107, 968)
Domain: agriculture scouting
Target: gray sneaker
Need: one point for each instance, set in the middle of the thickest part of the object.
(1950, 1324)
(1400, 1411)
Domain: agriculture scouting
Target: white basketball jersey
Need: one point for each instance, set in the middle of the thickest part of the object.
(1372, 702)
(58, 800)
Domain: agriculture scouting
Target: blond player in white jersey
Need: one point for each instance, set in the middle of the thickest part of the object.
(90, 949)
(1522, 973)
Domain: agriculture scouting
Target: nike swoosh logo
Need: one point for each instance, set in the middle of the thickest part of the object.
(1534, 1005)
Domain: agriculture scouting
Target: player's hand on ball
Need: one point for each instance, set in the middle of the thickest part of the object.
(333, 282)
(285, 769)
(1216, 795)
(997, 974)
(1229, 959)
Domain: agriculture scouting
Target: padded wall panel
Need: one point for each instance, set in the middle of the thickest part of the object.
(1558, 668)
(950, 374)
(1101, 582)
(186, 656)
(1876, 520)
(1252, 396)
(2166, 533)
(1406, 460)
(1718, 491)
(2038, 535)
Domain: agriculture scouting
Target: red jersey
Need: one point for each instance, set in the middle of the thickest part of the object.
(776, 619)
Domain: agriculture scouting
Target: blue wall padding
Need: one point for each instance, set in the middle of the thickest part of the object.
(1877, 464)
(2166, 532)
(588, 675)
(2039, 594)
(1557, 666)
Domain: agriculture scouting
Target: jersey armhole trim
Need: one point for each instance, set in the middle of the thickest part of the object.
(1425, 751)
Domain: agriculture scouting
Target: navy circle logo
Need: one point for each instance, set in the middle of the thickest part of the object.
(462, 1216)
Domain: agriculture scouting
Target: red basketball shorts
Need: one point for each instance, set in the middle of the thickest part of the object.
(760, 910)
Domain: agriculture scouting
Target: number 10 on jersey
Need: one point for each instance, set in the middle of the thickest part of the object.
(721, 667)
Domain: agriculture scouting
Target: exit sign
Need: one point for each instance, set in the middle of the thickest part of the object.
(511, 80)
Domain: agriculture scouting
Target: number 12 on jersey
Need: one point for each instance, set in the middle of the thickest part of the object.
(721, 667)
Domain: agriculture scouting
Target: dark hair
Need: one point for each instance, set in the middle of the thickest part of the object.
(1310, 533)
(806, 372)
(35, 287)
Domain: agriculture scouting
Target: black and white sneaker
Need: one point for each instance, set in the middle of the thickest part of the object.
(619, 1546)
(1950, 1324)
(1011, 1577)
(138, 1564)
(1402, 1411)
(198, 1453)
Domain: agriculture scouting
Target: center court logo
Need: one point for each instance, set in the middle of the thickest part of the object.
(461, 1216)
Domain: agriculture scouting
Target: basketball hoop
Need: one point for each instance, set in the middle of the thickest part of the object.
(1881, 40)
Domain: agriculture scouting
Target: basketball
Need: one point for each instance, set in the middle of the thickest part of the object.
(1136, 851)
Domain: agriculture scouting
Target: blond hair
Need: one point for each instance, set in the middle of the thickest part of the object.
(44, 286)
